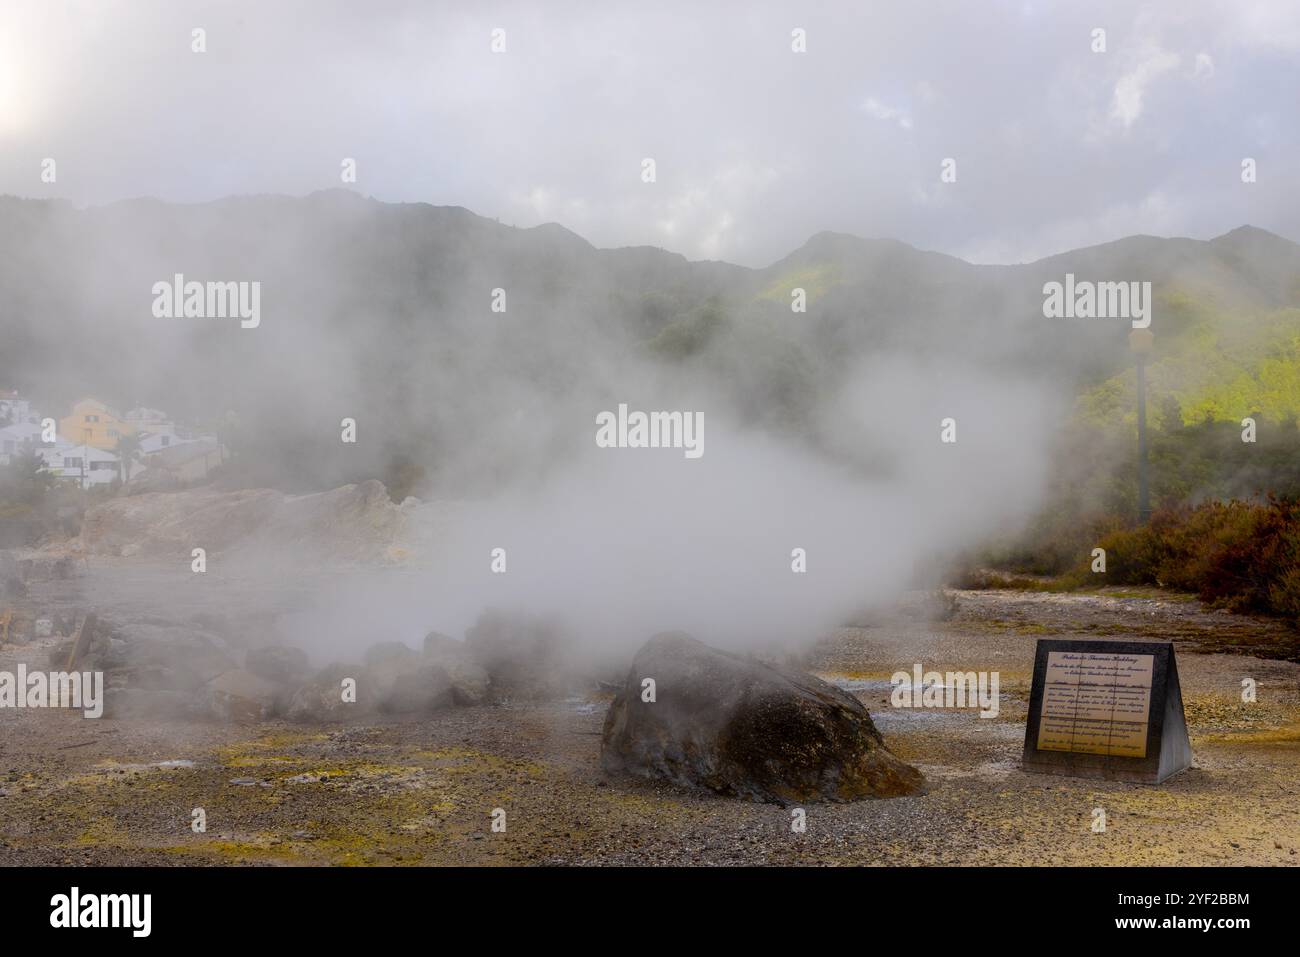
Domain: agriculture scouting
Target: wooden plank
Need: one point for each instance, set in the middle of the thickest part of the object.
(82, 644)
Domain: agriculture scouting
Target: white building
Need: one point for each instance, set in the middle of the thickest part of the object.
(84, 465)
(151, 442)
(149, 420)
(48, 452)
(185, 463)
(14, 409)
(19, 439)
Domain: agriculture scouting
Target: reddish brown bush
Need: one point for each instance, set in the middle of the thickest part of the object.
(1238, 555)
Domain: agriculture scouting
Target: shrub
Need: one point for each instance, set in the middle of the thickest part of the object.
(1238, 555)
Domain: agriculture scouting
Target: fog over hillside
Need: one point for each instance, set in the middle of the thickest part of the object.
(821, 429)
(384, 313)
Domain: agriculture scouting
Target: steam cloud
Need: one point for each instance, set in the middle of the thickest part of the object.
(620, 543)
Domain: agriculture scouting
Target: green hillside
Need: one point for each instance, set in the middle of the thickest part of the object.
(1220, 367)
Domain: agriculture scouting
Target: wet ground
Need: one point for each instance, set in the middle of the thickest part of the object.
(424, 790)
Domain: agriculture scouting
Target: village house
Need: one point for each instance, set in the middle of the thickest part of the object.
(23, 439)
(151, 442)
(149, 420)
(93, 423)
(156, 430)
(14, 409)
(84, 465)
(182, 464)
(20, 430)
(18, 439)
(86, 449)
(57, 448)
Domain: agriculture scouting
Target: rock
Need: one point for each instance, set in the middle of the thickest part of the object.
(240, 695)
(174, 659)
(44, 627)
(150, 480)
(388, 652)
(386, 662)
(100, 654)
(57, 658)
(143, 704)
(215, 623)
(435, 642)
(283, 667)
(935, 605)
(469, 679)
(390, 657)
(524, 657)
(321, 697)
(426, 688)
(278, 663)
(109, 654)
(352, 523)
(742, 728)
(160, 678)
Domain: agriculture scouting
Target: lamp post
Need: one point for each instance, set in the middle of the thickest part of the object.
(1141, 341)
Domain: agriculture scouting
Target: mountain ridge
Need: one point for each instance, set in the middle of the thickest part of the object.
(819, 240)
(389, 312)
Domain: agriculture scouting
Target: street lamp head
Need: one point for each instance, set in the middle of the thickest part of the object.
(1141, 341)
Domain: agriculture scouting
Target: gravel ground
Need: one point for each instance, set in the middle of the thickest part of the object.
(423, 791)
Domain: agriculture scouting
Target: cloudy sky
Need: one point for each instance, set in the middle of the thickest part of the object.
(756, 146)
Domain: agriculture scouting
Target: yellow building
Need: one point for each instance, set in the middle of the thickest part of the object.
(93, 423)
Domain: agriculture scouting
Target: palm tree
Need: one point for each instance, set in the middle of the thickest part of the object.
(128, 451)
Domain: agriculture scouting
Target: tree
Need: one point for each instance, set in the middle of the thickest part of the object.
(128, 451)
(24, 481)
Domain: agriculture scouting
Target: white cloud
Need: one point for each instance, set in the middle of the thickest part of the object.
(701, 221)
(1126, 106)
(1266, 24)
(757, 148)
(1156, 214)
(881, 111)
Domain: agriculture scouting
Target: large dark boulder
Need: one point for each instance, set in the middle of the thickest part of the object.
(743, 728)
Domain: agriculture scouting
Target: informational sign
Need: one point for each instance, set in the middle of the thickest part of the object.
(1109, 709)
